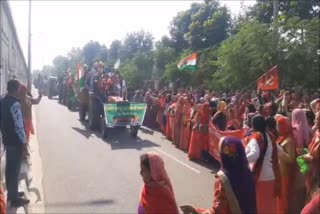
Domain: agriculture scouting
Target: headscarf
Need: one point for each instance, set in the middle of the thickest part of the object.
(158, 171)
(234, 164)
(23, 89)
(222, 106)
(284, 128)
(300, 126)
(159, 196)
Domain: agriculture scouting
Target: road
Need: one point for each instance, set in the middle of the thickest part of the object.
(84, 174)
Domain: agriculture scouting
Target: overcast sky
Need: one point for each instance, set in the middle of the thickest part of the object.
(57, 26)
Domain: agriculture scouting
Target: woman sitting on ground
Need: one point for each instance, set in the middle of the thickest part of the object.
(157, 194)
(234, 188)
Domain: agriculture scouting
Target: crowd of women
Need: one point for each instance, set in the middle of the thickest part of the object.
(259, 173)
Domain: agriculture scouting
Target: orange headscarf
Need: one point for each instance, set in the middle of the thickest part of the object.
(23, 89)
(158, 197)
(284, 129)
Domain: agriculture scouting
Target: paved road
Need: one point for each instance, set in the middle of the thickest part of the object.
(84, 174)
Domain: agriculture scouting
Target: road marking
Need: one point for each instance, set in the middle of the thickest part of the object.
(184, 164)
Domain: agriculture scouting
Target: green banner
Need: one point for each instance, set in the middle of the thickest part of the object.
(124, 113)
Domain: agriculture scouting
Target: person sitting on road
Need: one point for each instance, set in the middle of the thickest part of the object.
(157, 194)
(234, 188)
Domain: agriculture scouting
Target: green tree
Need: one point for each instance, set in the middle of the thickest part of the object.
(243, 57)
(299, 59)
(209, 26)
(162, 56)
(115, 50)
(304, 9)
(60, 64)
(137, 70)
(179, 27)
(94, 51)
(135, 42)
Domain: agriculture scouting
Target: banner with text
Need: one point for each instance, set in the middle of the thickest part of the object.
(215, 135)
(122, 114)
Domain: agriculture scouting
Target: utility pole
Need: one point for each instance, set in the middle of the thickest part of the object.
(275, 22)
(29, 49)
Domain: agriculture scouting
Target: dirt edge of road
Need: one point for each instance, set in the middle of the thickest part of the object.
(35, 175)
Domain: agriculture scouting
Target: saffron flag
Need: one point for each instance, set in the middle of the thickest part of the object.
(269, 81)
(190, 62)
(215, 135)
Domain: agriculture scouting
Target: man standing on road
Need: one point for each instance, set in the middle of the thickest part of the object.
(14, 138)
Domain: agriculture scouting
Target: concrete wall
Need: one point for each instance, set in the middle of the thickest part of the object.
(12, 61)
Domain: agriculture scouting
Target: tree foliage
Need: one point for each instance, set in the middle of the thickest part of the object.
(232, 52)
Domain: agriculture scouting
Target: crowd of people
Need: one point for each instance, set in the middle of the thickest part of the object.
(259, 172)
(16, 128)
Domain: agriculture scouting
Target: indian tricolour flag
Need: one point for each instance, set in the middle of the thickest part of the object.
(80, 75)
(190, 62)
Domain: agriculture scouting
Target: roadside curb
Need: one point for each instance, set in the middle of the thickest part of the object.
(35, 187)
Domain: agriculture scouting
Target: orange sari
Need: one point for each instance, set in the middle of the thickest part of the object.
(199, 135)
(172, 119)
(178, 123)
(3, 208)
(185, 128)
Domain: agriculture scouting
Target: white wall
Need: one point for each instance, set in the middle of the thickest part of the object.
(11, 56)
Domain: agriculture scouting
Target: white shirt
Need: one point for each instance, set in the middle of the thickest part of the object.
(253, 152)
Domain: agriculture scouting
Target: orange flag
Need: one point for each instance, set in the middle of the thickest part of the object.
(269, 81)
(215, 135)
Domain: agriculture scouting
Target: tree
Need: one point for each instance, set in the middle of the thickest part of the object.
(162, 56)
(209, 26)
(137, 42)
(114, 50)
(75, 56)
(304, 9)
(94, 51)
(60, 64)
(179, 27)
(299, 59)
(242, 58)
(137, 70)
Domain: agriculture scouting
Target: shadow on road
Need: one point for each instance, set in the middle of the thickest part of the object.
(137, 144)
(121, 139)
(146, 130)
(84, 132)
(98, 202)
(208, 162)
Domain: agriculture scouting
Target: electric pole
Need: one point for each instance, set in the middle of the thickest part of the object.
(29, 49)
(275, 22)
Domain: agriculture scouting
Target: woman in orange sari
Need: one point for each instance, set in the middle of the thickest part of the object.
(161, 102)
(167, 113)
(172, 110)
(185, 128)
(157, 194)
(287, 163)
(178, 122)
(234, 188)
(233, 123)
(200, 136)
(313, 158)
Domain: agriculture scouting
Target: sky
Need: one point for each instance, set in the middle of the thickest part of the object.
(57, 26)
